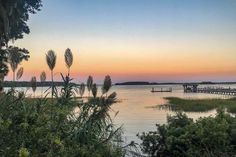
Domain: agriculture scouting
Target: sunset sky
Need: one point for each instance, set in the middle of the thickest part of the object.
(141, 40)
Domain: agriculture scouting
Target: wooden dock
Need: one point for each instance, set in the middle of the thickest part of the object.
(193, 88)
(222, 91)
(190, 87)
(162, 90)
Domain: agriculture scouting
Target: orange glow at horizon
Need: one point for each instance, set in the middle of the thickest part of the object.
(122, 59)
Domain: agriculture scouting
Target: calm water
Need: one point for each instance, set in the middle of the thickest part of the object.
(136, 112)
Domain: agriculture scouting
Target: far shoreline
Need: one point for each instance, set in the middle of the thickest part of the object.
(128, 83)
(171, 83)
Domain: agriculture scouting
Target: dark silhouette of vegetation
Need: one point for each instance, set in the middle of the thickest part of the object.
(51, 59)
(43, 77)
(15, 57)
(67, 89)
(182, 137)
(19, 73)
(81, 89)
(33, 84)
(68, 59)
(106, 85)
(89, 84)
(14, 15)
(3, 64)
(94, 90)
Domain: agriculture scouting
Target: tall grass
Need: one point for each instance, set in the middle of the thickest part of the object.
(89, 84)
(51, 59)
(63, 132)
(68, 59)
(61, 125)
(43, 78)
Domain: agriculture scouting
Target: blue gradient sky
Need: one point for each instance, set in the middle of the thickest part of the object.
(153, 40)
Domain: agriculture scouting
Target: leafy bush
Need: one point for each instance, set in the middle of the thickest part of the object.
(182, 137)
(62, 126)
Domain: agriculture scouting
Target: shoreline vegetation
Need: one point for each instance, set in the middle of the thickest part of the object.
(60, 83)
(169, 83)
(199, 105)
(182, 136)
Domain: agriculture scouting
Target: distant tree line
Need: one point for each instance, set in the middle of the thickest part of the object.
(28, 84)
(169, 83)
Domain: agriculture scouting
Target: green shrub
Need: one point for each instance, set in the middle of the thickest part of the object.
(51, 127)
(182, 137)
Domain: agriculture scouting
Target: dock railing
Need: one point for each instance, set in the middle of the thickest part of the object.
(217, 90)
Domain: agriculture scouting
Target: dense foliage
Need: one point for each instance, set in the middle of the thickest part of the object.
(182, 137)
(62, 127)
(14, 15)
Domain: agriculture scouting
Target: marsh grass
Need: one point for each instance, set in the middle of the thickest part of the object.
(200, 105)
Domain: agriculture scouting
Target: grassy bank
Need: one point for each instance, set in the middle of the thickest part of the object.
(200, 105)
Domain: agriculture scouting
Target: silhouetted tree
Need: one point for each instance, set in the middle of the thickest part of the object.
(14, 15)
